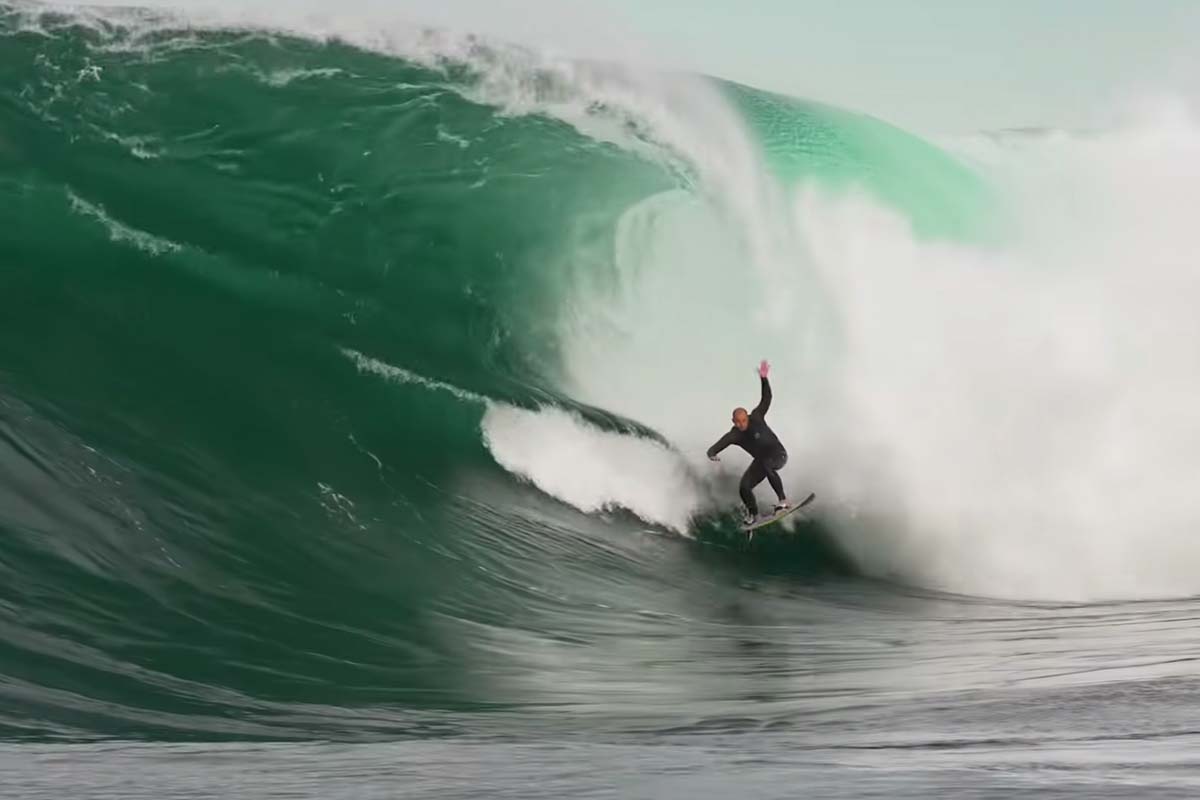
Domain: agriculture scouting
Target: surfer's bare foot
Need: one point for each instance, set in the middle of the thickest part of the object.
(782, 505)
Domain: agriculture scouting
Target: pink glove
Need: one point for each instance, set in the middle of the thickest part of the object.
(763, 369)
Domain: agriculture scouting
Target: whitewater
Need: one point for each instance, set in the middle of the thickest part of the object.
(356, 380)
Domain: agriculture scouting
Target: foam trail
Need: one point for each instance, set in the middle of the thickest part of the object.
(120, 232)
(400, 375)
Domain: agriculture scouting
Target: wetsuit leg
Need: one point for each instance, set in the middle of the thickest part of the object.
(771, 468)
(751, 478)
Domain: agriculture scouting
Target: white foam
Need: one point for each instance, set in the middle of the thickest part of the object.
(592, 469)
(570, 459)
(1036, 404)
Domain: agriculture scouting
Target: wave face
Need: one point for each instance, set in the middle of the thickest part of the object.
(351, 377)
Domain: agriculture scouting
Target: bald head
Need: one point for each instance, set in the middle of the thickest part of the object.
(741, 419)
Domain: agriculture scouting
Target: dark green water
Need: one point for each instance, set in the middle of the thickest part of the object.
(258, 295)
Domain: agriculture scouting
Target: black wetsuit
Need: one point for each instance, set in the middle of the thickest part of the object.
(763, 445)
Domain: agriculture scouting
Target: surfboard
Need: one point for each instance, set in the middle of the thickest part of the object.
(764, 521)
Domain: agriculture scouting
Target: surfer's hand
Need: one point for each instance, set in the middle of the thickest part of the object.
(714, 458)
(763, 369)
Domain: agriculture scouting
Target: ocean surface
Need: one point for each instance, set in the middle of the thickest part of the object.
(355, 383)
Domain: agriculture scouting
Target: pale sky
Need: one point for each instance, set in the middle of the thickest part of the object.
(927, 65)
(933, 65)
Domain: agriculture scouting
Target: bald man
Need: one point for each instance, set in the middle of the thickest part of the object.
(751, 433)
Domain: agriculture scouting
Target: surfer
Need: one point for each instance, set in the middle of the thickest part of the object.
(751, 433)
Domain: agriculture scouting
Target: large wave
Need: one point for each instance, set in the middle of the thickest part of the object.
(984, 347)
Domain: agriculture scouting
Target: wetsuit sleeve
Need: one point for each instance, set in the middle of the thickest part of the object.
(721, 444)
(765, 403)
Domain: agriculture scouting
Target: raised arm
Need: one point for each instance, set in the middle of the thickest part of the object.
(721, 444)
(765, 402)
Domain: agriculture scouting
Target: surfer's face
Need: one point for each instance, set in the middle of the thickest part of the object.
(741, 420)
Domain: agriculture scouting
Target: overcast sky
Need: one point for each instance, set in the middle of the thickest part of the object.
(929, 65)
